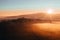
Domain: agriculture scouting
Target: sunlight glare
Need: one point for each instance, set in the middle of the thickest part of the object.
(49, 11)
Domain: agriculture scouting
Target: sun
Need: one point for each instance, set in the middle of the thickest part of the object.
(50, 11)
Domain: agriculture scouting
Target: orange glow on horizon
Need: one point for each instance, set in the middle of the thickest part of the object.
(21, 12)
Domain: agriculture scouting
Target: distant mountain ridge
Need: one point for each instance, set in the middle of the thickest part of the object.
(42, 16)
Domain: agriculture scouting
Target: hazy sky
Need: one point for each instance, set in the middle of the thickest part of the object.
(29, 4)
(41, 5)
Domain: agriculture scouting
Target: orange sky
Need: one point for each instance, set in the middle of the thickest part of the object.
(20, 12)
(16, 12)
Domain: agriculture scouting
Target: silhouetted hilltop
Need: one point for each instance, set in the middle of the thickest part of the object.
(41, 16)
